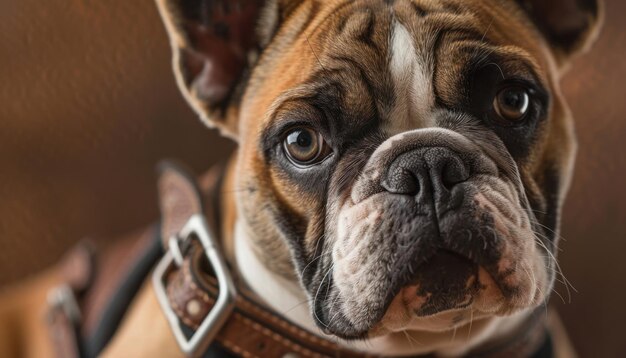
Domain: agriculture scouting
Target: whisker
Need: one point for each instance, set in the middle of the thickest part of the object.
(410, 339)
(557, 267)
(316, 258)
(469, 332)
(453, 334)
(317, 293)
(308, 300)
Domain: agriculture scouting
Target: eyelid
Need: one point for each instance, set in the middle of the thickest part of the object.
(516, 64)
(290, 116)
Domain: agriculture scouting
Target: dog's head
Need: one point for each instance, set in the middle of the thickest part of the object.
(405, 160)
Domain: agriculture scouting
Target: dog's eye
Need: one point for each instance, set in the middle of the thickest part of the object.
(305, 146)
(511, 103)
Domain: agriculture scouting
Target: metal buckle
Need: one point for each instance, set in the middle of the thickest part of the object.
(197, 228)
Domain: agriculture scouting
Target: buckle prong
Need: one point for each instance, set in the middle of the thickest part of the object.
(174, 247)
(196, 228)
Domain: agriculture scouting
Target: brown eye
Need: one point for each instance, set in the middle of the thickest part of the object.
(511, 103)
(305, 146)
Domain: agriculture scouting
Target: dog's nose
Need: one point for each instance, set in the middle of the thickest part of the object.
(430, 169)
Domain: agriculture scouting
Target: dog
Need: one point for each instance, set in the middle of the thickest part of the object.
(401, 165)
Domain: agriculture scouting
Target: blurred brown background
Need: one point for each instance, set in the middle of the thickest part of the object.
(88, 105)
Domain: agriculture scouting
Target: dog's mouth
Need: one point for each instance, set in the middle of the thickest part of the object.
(444, 282)
(430, 285)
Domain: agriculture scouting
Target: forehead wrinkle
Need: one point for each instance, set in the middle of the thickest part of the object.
(278, 45)
(317, 42)
(360, 68)
(299, 93)
(481, 49)
(332, 13)
(310, 90)
(503, 36)
(510, 56)
(517, 53)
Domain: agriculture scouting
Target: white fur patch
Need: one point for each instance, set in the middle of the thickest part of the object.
(412, 76)
(283, 296)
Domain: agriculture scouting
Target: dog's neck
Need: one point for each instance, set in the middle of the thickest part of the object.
(289, 299)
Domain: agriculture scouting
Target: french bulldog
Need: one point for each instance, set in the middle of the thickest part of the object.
(401, 165)
(400, 171)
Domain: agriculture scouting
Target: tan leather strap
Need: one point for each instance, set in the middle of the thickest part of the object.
(64, 314)
(64, 329)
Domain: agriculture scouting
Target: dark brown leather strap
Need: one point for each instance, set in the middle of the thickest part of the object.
(252, 330)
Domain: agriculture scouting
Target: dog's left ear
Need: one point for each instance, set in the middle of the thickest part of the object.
(570, 26)
(213, 43)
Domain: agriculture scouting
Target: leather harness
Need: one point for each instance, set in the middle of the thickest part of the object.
(209, 314)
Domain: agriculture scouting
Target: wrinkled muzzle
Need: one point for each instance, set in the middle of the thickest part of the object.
(435, 222)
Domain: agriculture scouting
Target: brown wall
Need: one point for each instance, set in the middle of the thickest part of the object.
(88, 106)
(594, 222)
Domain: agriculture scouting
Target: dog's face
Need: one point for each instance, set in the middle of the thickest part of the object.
(404, 160)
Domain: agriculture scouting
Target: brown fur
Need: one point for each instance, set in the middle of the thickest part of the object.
(301, 44)
(326, 34)
(276, 71)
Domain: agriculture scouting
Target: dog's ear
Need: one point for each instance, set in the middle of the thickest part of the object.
(570, 26)
(214, 43)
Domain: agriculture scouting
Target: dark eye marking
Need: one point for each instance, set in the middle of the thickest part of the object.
(510, 100)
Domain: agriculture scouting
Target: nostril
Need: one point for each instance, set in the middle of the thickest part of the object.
(454, 172)
(401, 181)
(437, 169)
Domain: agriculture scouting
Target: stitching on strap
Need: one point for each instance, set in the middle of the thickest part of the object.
(276, 337)
(288, 326)
(236, 349)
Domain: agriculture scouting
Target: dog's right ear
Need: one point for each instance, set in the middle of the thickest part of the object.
(214, 43)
